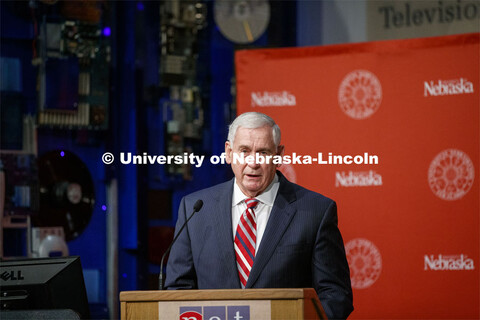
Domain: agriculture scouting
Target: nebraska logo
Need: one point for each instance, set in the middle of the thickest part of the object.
(447, 87)
(273, 99)
(451, 174)
(360, 94)
(448, 263)
(364, 261)
(357, 179)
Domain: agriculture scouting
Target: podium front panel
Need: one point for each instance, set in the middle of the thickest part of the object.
(215, 310)
(242, 304)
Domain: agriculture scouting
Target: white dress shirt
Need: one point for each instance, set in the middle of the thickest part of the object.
(262, 211)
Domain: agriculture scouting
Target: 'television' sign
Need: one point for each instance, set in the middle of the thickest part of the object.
(413, 19)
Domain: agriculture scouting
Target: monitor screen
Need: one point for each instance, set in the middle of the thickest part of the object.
(43, 283)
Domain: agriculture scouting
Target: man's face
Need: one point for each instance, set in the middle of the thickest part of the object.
(253, 178)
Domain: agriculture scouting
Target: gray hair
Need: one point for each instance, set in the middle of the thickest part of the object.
(254, 120)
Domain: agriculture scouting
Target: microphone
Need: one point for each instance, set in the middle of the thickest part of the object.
(196, 207)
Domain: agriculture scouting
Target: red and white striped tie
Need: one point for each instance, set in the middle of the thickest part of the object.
(245, 241)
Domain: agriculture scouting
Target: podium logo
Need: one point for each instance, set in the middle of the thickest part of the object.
(191, 315)
(360, 94)
(448, 263)
(215, 313)
(451, 174)
(447, 87)
(273, 99)
(365, 262)
(357, 179)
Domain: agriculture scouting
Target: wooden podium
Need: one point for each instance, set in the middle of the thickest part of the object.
(247, 304)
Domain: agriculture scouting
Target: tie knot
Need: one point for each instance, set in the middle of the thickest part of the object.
(251, 203)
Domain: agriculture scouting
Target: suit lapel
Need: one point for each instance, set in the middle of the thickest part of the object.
(223, 223)
(280, 217)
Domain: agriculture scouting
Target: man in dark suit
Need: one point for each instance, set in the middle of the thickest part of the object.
(259, 230)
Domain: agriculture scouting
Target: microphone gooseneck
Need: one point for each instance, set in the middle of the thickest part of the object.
(196, 207)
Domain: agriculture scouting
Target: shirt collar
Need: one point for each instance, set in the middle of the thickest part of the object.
(267, 196)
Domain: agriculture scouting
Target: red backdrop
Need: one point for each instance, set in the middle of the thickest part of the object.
(411, 222)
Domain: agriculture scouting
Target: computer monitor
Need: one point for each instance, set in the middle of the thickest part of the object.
(43, 283)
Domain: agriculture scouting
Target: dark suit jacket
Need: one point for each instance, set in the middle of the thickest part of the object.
(301, 247)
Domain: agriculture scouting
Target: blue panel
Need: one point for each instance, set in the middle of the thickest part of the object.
(62, 83)
(222, 70)
(309, 25)
(124, 119)
(127, 268)
(124, 130)
(15, 20)
(26, 81)
(92, 284)
(10, 74)
(127, 197)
